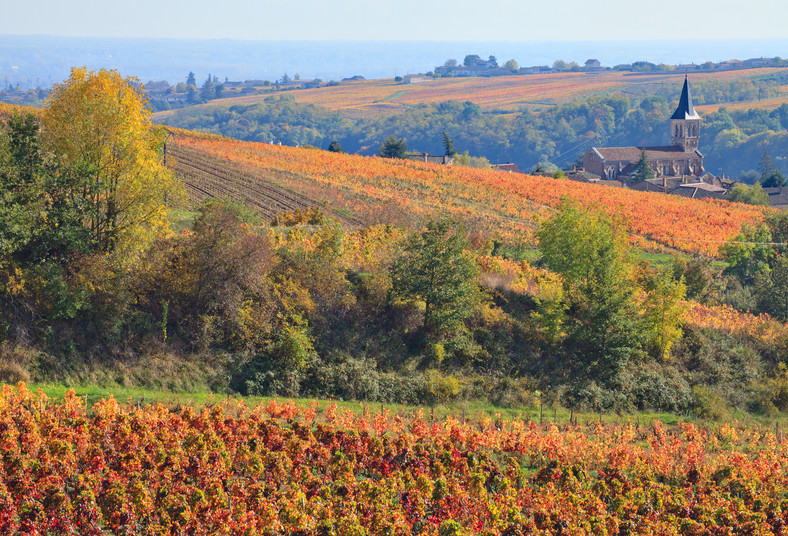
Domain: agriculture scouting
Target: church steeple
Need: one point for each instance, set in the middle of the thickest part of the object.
(685, 122)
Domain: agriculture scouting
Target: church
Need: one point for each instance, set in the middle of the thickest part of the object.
(680, 160)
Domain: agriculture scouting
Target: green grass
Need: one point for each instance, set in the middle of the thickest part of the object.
(181, 219)
(472, 410)
(655, 259)
(391, 97)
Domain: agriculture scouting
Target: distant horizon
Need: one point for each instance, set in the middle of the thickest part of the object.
(35, 60)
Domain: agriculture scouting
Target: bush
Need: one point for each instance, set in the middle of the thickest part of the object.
(660, 388)
(710, 405)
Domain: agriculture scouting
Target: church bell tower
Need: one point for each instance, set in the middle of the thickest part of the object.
(685, 122)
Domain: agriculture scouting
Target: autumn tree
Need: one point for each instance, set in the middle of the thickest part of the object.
(98, 125)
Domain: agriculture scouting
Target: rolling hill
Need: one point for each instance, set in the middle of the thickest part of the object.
(493, 203)
(374, 98)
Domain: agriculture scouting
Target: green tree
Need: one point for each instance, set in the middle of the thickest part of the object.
(588, 250)
(774, 180)
(436, 268)
(471, 60)
(766, 166)
(41, 211)
(663, 311)
(750, 253)
(191, 80)
(771, 289)
(750, 195)
(643, 170)
(393, 148)
(334, 147)
(448, 145)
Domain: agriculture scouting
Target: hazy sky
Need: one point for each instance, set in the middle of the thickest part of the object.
(438, 20)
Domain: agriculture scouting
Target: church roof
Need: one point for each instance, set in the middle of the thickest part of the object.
(632, 154)
(685, 110)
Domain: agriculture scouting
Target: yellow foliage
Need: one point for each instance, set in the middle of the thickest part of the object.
(98, 124)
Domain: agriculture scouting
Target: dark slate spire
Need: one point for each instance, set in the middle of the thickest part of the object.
(685, 110)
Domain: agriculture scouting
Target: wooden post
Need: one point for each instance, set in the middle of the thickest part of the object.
(555, 414)
(541, 409)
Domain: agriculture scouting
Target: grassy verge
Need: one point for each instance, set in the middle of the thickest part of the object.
(473, 411)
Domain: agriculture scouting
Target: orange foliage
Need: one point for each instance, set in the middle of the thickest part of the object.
(282, 468)
(504, 204)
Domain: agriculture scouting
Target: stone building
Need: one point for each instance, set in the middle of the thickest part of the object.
(681, 159)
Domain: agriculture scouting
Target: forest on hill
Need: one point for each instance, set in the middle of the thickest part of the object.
(401, 281)
(556, 133)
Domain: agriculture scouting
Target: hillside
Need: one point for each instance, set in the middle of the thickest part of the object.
(374, 98)
(500, 204)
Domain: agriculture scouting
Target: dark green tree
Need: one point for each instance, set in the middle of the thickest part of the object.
(334, 147)
(766, 166)
(435, 268)
(643, 170)
(771, 289)
(393, 148)
(191, 80)
(448, 145)
(774, 180)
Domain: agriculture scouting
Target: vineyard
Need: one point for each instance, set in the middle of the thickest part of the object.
(374, 98)
(205, 178)
(281, 468)
(375, 190)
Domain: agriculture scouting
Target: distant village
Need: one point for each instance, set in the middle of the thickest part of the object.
(163, 95)
(474, 65)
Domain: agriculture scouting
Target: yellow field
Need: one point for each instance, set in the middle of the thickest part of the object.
(374, 98)
(7, 110)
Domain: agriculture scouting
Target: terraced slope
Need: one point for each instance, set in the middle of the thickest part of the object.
(205, 177)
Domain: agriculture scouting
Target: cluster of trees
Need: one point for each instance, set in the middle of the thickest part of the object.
(86, 183)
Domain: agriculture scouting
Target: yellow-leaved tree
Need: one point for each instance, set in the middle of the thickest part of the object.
(98, 125)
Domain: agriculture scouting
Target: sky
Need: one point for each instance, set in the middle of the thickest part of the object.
(429, 20)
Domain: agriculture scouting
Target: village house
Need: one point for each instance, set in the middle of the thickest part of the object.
(593, 65)
(681, 160)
